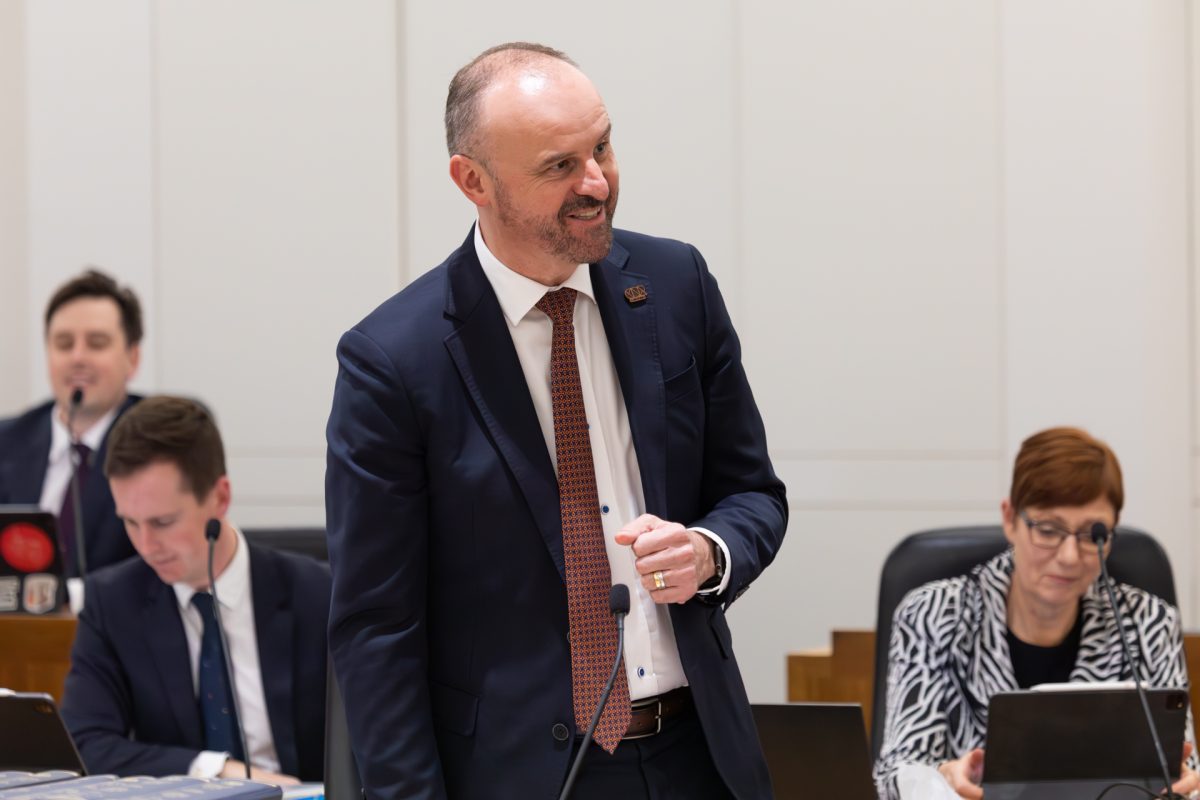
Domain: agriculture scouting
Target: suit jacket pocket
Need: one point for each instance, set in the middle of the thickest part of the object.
(453, 709)
(683, 383)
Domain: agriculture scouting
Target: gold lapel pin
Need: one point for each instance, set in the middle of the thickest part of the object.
(635, 295)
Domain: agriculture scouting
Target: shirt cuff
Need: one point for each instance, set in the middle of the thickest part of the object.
(728, 564)
(208, 764)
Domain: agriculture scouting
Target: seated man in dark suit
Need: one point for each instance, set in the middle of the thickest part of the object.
(148, 693)
(93, 336)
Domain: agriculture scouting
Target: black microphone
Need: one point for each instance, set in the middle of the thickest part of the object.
(76, 503)
(618, 604)
(212, 531)
(1100, 537)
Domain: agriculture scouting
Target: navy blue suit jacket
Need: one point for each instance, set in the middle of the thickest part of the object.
(24, 455)
(129, 701)
(448, 624)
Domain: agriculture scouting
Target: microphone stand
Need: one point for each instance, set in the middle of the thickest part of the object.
(618, 601)
(1100, 537)
(212, 531)
(76, 502)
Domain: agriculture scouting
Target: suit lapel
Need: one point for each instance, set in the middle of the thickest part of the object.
(486, 360)
(28, 471)
(273, 627)
(632, 339)
(169, 651)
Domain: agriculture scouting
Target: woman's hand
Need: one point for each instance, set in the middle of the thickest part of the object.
(1189, 779)
(966, 773)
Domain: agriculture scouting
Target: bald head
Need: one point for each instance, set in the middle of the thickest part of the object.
(504, 62)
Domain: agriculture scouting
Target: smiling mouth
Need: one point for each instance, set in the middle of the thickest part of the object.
(587, 215)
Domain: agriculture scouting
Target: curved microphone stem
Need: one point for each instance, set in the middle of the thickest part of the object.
(1141, 693)
(212, 588)
(619, 604)
(76, 502)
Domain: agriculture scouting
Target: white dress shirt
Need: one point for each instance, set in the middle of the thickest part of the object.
(58, 466)
(237, 616)
(651, 655)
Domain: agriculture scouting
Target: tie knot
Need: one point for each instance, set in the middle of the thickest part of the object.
(203, 602)
(558, 305)
(82, 452)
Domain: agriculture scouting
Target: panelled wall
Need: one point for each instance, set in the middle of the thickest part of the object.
(940, 226)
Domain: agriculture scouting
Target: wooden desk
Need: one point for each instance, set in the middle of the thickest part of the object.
(35, 652)
(846, 673)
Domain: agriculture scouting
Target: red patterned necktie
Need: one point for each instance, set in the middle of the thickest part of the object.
(593, 632)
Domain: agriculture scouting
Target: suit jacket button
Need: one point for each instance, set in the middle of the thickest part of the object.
(560, 732)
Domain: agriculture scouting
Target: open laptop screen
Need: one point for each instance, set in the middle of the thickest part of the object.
(33, 736)
(1065, 743)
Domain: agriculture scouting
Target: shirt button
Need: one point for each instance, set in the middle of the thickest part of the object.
(603, 509)
(641, 672)
(560, 732)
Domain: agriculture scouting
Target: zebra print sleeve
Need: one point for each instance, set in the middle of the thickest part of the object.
(923, 699)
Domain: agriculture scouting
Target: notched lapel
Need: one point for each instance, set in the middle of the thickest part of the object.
(633, 341)
(168, 648)
(487, 362)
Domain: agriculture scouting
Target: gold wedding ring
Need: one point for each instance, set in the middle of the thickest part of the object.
(659, 581)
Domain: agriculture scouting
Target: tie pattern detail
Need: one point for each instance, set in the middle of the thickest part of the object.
(217, 711)
(589, 579)
(68, 537)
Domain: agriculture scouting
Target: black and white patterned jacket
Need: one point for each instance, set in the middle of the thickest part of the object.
(948, 655)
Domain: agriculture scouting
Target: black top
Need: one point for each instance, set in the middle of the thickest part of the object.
(1033, 664)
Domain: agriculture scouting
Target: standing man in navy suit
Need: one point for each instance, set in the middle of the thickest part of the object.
(556, 408)
(93, 331)
(148, 693)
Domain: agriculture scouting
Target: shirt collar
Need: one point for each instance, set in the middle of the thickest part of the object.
(518, 294)
(93, 437)
(232, 585)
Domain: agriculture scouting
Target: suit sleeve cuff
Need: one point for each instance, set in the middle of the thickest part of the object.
(208, 764)
(728, 564)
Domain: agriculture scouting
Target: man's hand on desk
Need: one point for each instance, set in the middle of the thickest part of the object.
(965, 774)
(236, 769)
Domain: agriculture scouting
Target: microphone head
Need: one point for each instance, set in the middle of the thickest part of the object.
(212, 530)
(1099, 533)
(76, 396)
(618, 599)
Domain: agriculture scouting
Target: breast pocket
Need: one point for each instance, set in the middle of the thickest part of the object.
(681, 384)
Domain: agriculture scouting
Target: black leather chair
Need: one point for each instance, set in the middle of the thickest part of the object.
(1136, 559)
(305, 541)
(341, 770)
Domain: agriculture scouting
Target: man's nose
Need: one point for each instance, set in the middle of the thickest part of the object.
(593, 183)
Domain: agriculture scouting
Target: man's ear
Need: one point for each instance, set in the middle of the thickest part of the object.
(471, 179)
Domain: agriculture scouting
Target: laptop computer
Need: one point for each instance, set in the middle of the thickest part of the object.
(31, 567)
(816, 750)
(33, 737)
(1063, 744)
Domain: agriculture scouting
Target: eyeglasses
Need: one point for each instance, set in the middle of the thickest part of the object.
(1050, 535)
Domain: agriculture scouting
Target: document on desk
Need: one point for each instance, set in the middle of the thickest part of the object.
(305, 791)
(923, 782)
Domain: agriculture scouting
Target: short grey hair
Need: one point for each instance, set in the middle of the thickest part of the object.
(462, 101)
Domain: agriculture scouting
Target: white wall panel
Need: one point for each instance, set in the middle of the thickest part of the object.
(1097, 271)
(90, 155)
(870, 223)
(14, 213)
(278, 206)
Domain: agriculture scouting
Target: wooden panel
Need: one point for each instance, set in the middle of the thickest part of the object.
(844, 674)
(36, 652)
